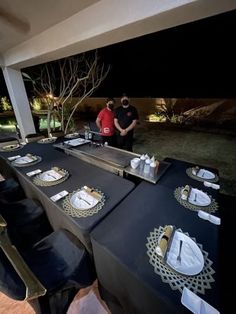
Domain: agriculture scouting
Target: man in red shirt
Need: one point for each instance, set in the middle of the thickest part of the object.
(105, 123)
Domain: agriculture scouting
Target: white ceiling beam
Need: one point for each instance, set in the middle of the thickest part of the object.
(107, 22)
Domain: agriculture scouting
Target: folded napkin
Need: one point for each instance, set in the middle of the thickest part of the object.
(58, 170)
(195, 170)
(185, 192)
(163, 241)
(195, 304)
(13, 157)
(212, 185)
(92, 192)
(213, 219)
(189, 259)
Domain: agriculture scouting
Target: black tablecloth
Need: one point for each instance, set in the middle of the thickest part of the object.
(81, 173)
(176, 176)
(122, 263)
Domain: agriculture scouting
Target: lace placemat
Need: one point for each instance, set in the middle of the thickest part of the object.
(40, 182)
(198, 283)
(39, 159)
(78, 213)
(213, 207)
(192, 176)
(47, 140)
(10, 149)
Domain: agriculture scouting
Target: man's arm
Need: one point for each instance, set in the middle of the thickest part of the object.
(98, 123)
(117, 125)
(131, 126)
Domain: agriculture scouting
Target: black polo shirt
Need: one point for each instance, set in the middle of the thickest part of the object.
(125, 116)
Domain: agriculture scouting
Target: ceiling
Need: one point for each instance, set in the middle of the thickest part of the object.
(22, 19)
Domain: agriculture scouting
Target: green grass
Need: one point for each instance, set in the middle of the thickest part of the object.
(209, 149)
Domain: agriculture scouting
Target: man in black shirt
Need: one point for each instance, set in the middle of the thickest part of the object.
(126, 117)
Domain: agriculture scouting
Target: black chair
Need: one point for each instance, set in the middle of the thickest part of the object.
(60, 264)
(27, 222)
(9, 139)
(10, 190)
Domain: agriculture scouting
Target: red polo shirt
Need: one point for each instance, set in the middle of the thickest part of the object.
(106, 117)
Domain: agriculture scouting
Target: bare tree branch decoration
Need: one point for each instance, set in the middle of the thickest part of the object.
(61, 80)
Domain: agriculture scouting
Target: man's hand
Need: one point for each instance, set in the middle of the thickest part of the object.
(123, 132)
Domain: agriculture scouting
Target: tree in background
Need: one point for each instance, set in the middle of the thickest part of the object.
(59, 81)
(5, 104)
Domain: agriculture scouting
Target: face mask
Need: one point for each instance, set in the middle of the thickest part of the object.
(125, 103)
(110, 105)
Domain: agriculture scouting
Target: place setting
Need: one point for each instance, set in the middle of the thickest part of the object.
(11, 148)
(84, 202)
(195, 199)
(179, 259)
(26, 161)
(47, 140)
(202, 175)
(51, 177)
(72, 135)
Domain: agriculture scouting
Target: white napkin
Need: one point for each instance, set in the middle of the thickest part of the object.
(13, 157)
(212, 185)
(189, 260)
(77, 141)
(214, 219)
(195, 304)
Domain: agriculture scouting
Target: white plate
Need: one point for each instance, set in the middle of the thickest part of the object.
(72, 135)
(10, 147)
(199, 198)
(25, 160)
(50, 175)
(82, 200)
(77, 141)
(192, 260)
(205, 174)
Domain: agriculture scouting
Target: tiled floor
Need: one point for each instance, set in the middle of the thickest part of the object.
(9, 306)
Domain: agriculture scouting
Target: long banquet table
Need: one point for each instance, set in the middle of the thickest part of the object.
(81, 173)
(120, 253)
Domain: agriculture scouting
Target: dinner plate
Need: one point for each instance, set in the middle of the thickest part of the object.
(77, 142)
(47, 140)
(10, 147)
(50, 176)
(82, 200)
(205, 174)
(72, 135)
(192, 260)
(25, 160)
(199, 198)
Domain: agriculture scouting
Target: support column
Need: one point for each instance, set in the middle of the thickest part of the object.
(19, 100)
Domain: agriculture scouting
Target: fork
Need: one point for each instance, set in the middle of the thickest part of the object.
(82, 199)
(180, 248)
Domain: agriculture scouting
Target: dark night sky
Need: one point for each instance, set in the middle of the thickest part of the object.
(192, 60)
